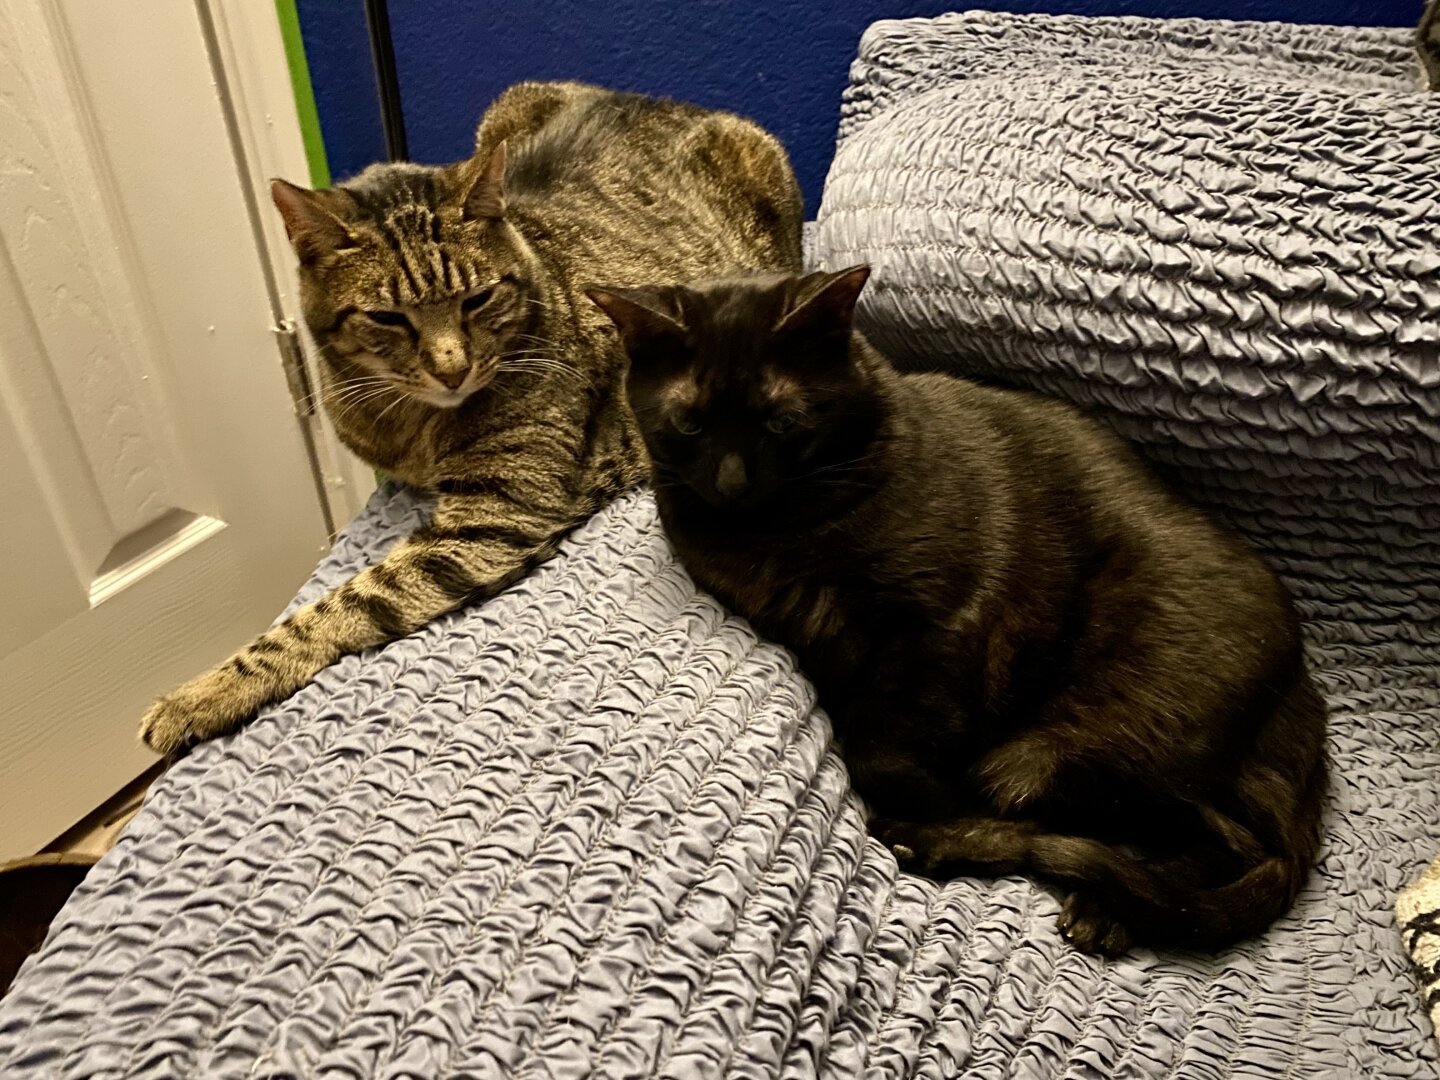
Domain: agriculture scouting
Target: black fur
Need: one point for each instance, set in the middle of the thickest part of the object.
(1036, 659)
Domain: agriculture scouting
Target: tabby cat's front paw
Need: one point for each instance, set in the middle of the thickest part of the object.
(214, 704)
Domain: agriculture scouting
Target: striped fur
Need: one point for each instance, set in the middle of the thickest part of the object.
(1427, 42)
(1417, 910)
(481, 371)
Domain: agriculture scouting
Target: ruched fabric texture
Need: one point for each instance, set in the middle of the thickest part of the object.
(1222, 239)
(592, 827)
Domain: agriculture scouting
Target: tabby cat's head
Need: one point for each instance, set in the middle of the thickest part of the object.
(412, 278)
(748, 390)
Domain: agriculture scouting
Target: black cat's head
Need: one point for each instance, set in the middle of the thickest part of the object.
(747, 388)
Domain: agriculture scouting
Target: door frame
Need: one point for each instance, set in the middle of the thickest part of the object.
(254, 82)
(97, 446)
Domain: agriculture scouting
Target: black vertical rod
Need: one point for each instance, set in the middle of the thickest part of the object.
(387, 82)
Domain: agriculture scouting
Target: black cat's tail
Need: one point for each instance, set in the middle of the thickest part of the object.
(1158, 903)
(1268, 843)
(1241, 871)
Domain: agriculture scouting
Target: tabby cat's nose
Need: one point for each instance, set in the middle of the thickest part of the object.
(730, 478)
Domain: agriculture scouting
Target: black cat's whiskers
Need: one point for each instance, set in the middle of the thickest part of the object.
(646, 412)
(843, 481)
(858, 464)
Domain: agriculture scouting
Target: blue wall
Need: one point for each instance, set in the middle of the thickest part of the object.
(784, 64)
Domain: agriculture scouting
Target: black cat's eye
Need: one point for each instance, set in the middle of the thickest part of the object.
(781, 423)
(685, 425)
(475, 301)
(387, 318)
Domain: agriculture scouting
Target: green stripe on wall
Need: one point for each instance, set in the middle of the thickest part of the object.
(304, 93)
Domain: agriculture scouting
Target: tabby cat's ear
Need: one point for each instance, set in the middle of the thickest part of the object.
(314, 230)
(485, 198)
(824, 303)
(644, 316)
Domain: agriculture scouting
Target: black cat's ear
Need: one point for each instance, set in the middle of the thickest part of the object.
(824, 303)
(485, 197)
(313, 228)
(644, 316)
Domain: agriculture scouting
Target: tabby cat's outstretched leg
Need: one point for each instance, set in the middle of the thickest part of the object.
(1427, 42)
(473, 548)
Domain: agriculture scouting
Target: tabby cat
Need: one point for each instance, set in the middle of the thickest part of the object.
(460, 355)
(1035, 658)
(1427, 43)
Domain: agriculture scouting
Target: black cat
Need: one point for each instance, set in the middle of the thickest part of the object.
(1035, 658)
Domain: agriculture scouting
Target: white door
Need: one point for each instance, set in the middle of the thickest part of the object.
(158, 497)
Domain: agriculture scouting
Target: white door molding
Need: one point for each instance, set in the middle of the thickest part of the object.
(255, 75)
(157, 504)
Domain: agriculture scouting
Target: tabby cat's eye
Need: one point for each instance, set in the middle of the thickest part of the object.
(684, 425)
(387, 318)
(475, 301)
(781, 423)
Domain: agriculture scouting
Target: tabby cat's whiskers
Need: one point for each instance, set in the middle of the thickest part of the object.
(351, 404)
(398, 401)
(338, 390)
(542, 364)
(541, 342)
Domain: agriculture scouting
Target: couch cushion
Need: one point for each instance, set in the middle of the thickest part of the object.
(1222, 237)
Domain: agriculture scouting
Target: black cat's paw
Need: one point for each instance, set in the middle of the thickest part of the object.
(906, 840)
(1021, 772)
(1086, 924)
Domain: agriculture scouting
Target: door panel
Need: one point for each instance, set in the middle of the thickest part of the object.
(156, 495)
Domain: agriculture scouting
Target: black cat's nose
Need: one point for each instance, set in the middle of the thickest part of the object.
(453, 379)
(730, 478)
